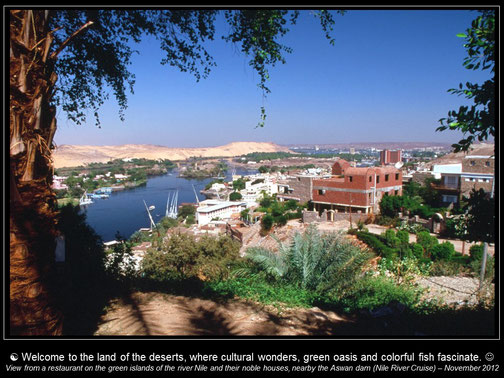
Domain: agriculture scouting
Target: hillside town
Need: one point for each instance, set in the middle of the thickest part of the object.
(343, 195)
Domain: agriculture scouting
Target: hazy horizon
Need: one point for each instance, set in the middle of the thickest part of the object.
(431, 143)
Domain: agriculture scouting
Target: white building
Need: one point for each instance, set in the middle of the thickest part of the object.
(217, 210)
(120, 176)
(59, 182)
(257, 186)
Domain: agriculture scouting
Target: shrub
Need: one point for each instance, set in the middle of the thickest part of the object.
(403, 237)
(475, 266)
(418, 250)
(374, 292)
(266, 202)
(377, 245)
(427, 241)
(235, 196)
(390, 206)
(447, 268)
(182, 257)
(384, 220)
(476, 252)
(186, 210)
(390, 238)
(267, 222)
(291, 205)
(443, 251)
(281, 220)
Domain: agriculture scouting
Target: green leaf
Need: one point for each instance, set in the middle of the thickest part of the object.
(461, 35)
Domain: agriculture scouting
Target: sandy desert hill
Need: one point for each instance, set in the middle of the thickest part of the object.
(76, 155)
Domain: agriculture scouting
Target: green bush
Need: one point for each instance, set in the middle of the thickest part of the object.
(390, 206)
(447, 268)
(235, 196)
(443, 251)
(266, 292)
(476, 252)
(281, 220)
(374, 242)
(183, 257)
(267, 222)
(291, 205)
(418, 250)
(403, 237)
(427, 241)
(186, 210)
(374, 292)
(475, 266)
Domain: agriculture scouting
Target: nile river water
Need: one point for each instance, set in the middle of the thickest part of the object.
(124, 211)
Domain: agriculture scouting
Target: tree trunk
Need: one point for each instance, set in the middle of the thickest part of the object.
(33, 309)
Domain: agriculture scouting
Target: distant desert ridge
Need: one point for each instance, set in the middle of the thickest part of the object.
(76, 155)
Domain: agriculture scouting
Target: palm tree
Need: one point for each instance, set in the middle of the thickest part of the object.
(326, 263)
(32, 203)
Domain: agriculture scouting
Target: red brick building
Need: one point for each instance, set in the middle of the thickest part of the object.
(354, 189)
(390, 157)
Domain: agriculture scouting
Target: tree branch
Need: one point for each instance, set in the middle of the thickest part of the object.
(55, 54)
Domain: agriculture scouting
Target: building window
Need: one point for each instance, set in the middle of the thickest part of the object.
(450, 199)
(386, 177)
(377, 179)
(350, 178)
(473, 163)
(370, 178)
(397, 176)
(487, 163)
(321, 192)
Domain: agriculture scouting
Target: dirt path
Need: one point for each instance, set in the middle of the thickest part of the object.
(155, 314)
(160, 314)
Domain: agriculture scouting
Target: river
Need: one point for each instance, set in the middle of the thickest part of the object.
(124, 211)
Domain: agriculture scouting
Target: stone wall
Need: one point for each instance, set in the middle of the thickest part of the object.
(313, 216)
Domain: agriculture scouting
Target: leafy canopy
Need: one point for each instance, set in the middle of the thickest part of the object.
(98, 59)
(478, 120)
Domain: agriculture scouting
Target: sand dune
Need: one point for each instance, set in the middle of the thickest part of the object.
(76, 155)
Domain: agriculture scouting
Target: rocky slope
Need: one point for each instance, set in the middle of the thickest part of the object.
(76, 155)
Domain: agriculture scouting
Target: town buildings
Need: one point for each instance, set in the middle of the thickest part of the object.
(210, 210)
(475, 172)
(352, 189)
(257, 186)
(297, 188)
(390, 157)
(59, 183)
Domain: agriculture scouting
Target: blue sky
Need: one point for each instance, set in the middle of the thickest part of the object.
(385, 79)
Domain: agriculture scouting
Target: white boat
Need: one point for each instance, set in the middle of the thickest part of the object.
(85, 200)
(152, 207)
(171, 205)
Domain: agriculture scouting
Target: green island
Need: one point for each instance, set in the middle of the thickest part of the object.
(117, 173)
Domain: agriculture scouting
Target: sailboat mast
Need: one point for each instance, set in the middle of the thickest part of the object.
(150, 216)
(197, 199)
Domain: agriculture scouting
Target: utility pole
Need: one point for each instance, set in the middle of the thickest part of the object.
(485, 249)
(350, 210)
